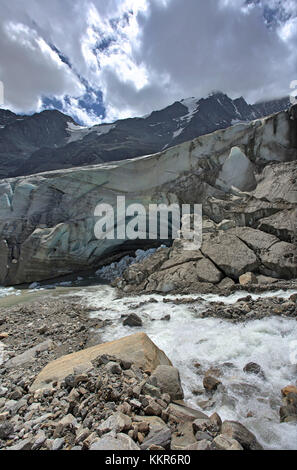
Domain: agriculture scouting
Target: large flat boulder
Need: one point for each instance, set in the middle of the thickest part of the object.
(137, 348)
(230, 254)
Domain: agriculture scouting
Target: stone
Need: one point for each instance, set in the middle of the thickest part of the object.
(113, 368)
(183, 437)
(159, 435)
(110, 442)
(168, 380)
(117, 422)
(29, 355)
(58, 443)
(253, 368)
(183, 413)
(210, 383)
(289, 389)
(205, 444)
(226, 283)
(239, 432)
(132, 320)
(137, 348)
(221, 248)
(6, 428)
(24, 444)
(215, 419)
(223, 442)
(247, 279)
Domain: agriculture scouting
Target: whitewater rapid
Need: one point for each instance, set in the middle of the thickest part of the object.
(188, 339)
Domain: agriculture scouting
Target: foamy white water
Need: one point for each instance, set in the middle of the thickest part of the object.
(5, 291)
(188, 339)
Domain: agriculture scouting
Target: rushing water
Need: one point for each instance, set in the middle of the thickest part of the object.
(188, 339)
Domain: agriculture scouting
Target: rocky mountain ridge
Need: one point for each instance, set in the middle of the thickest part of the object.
(51, 140)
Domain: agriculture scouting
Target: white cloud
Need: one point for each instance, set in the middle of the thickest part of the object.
(144, 54)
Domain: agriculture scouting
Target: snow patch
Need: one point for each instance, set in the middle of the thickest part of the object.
(80, 132)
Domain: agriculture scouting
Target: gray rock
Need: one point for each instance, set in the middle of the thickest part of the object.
(168, 380)
(117, 422)
(132, 320)
(6, 429)
(241, 434)
(58, 443)
(111, 442)
(24, 444)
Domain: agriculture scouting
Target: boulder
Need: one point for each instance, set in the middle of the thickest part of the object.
(168, 380)
(137, 348)
(280, 260)
(132, 320)
(282, 225)
(241, 434)
(183, 437)
(159, 435)
(182, 413)
(230, 254)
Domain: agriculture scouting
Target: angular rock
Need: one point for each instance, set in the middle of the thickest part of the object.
(221, 249)
(223, 442)
(132, 320)
(168, 380)
(111, 442)
(248, 278)
(117, 422)
(137, 348)
(211, 383)
(241, 434)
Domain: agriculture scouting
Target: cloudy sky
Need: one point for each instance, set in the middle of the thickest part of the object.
(101, 60)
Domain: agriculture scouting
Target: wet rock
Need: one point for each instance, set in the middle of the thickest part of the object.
(238, 432)
(253, 368)
(211, 383)
(132, 320)
(289, 389)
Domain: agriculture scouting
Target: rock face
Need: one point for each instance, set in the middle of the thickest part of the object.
(51, 140)
(47, 221)
(137, 348)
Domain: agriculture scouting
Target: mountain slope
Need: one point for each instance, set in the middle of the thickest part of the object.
(51, 140)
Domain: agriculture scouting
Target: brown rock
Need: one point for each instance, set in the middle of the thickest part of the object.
(137, 348)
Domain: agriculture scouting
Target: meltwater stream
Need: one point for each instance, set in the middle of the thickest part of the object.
(188, 339)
